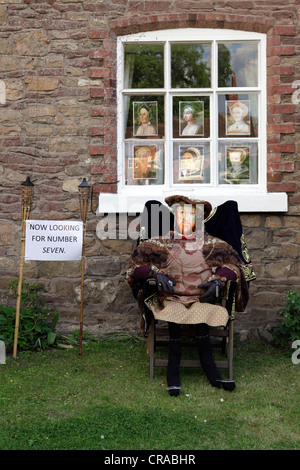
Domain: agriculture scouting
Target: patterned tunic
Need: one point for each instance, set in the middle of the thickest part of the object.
(187, 268)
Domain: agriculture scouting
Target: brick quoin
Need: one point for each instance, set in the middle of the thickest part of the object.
(284, 70)
(285, 30)
(281, 109)
(278, 187)
(280, 167)
(274, 157)
(282, 128)
(282, 148)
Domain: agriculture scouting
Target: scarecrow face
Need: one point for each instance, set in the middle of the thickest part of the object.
(185, 219)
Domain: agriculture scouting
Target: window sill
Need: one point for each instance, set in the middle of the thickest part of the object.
(133, 203)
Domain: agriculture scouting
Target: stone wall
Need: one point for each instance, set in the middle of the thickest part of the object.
(58, 125)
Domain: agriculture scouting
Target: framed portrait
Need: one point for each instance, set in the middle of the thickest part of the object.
(191, 160)
(145, 118)
(145, 162)
(237, 113)
(191, 118)
(237, 164)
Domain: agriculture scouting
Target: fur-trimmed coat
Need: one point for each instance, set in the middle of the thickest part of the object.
(159, 255)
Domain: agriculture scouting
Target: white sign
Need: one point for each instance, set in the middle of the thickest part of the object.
(53, 240)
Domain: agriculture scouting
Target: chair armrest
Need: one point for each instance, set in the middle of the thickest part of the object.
(229, 296)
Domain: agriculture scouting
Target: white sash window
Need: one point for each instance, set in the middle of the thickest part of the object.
(192, 117)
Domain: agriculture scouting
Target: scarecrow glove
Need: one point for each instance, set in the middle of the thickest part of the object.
(164, 283)
(211, 294)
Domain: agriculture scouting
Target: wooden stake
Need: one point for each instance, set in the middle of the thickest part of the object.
(82, 289)
(84, 194)
(27, 188)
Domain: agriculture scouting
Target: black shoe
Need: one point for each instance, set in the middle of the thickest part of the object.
(173, 391)
(228, 385)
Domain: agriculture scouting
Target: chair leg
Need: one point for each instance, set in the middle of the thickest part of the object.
(152, 345)
(230, 351)
(224, 345)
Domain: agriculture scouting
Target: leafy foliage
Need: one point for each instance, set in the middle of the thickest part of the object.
(225, 70)
(189, 67)
(145, 64)
(36, 331)
(289, 329)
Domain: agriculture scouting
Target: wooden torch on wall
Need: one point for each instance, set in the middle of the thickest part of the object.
(27, 191)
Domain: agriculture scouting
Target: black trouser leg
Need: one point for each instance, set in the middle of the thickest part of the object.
(204, 348)
(173, 375)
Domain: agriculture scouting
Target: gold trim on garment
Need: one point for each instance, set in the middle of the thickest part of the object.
(212, 213)
(244, 249)
(151, 301)
(162, 244)
(248, 268)
(249, 272)
(143, 233)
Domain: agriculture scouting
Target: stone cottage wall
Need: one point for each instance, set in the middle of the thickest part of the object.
(58, 125)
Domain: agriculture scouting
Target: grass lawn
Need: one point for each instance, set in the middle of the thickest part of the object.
(104, 399)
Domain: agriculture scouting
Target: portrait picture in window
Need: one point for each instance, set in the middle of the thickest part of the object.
(191, 120)
(237, 165)
(145, 162)
(191, 161)
(145, 118)
(237, 117)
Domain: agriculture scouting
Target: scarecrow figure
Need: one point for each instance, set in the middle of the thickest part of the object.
(191, 268)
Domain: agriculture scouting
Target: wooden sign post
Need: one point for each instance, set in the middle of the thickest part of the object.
(27, 190)
(84, 194)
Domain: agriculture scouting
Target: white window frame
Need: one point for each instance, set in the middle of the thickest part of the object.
(250, 198)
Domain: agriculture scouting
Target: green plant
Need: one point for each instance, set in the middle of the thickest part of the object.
(289, 329)
(36, 331)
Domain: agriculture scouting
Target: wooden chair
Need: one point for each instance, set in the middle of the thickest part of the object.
(158, 336)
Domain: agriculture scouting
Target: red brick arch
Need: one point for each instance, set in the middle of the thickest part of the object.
(136, 24)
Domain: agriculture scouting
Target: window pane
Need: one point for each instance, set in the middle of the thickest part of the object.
(238, 64)
(238, 162)
(144, 116)
(191, 162)
(191, 116)
(144, 163)
(144, 66)
(190, 65)
(238, 115)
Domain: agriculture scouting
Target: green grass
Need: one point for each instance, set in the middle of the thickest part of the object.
(104, 399)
